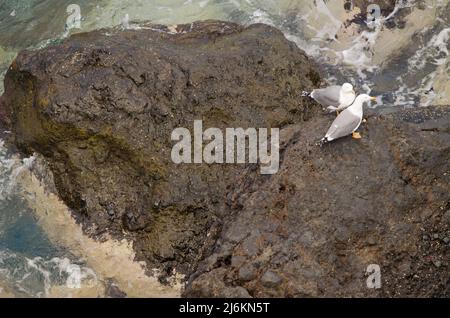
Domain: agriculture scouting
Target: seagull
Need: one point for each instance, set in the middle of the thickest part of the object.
(335, 97)
(348, 121)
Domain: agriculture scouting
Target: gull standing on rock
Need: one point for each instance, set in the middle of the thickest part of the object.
(348, 121)
(335, 98)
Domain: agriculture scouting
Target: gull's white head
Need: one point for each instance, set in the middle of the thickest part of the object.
(347, 88)
(347, 95)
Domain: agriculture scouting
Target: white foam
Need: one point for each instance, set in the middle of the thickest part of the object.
(77, 275)
(359, 54)
(431, 52)
(260, 16)
(36, 277)
(434, 52)
(10, 167)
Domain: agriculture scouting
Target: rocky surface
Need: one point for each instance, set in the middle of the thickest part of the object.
(313, 228)
(101, 107)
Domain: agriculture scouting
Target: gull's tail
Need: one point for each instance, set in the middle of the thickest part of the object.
(333, 109)
(306, 94)
(322, 141)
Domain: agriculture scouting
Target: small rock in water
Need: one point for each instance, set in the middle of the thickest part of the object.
(113, 291)
(13, 13)
(436, 236)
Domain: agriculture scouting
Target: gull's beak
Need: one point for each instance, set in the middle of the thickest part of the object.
(373, 98)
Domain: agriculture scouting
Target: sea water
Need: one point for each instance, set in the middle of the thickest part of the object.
(29, 263)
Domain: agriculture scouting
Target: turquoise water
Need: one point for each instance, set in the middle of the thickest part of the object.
(29, 263)
(317, 26)
(401, 73)
(32, 242)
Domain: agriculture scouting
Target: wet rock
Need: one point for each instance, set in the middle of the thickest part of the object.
(101, 114)
(101, 107)
(236, 292)
(447, 216)
(237, 261)
(112, 290)
(135, 221)
(252, 245)
(342, 223)
(247, 273)
(437, 263)
(270, 279)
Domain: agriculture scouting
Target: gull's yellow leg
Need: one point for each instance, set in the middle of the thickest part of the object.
(337, 112)
(356, 135)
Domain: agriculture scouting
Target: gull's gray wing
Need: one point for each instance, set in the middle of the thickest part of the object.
(328, 96)
(343, 125)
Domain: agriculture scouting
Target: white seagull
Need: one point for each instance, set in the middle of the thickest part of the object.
(348, 121)
(335, 97)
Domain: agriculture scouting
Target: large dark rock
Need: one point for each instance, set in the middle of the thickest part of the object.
(314, 227)
(101, 108)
